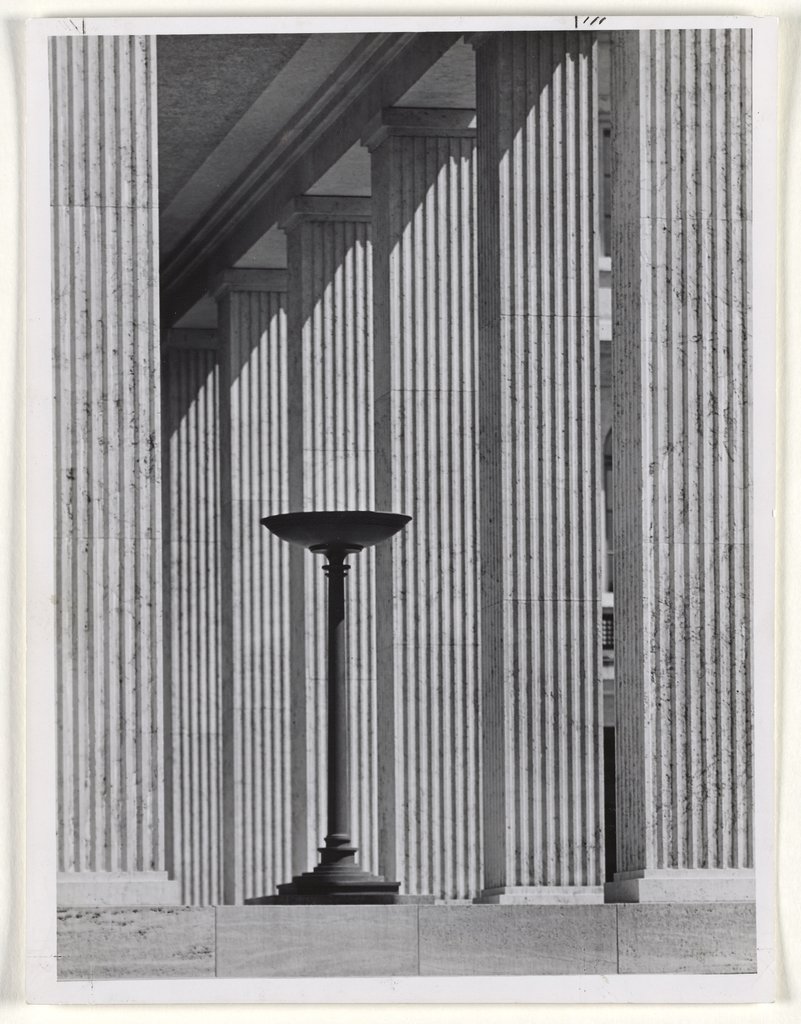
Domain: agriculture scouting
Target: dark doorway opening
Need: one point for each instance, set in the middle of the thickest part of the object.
(610, 836)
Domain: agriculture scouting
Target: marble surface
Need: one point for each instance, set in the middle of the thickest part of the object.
(662, 938)
(681, 281)
(538, 394)
(543, 895)
(152, 942)
(255, 636)
(426, 440)
(377, 941)
(193, 621)
(675, 885)
(276, 942)
(117, 889)
(517, 940)
(107, 470)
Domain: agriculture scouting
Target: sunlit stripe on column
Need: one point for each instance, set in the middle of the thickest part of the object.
(331, 437)
(256, 618)
(426, 436)
(192, 614)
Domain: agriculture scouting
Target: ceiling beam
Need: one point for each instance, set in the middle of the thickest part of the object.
(378, 72)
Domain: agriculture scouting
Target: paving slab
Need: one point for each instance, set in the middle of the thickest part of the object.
(691, 938)
(127, 942)
(526, 939)
(316, 941)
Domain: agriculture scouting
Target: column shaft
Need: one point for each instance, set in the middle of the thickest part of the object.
(192, 612)
(540, 465)
(255, 580)
(108, 508)
(338, 820)
(331, 443)
(681, 280)
(423, 174)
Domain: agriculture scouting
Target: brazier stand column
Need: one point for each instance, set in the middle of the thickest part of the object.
(337, 878)
(330, 453)
(338, 846)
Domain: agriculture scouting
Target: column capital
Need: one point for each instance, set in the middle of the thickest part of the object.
(325, 208)
(445, 122)
(248, 279)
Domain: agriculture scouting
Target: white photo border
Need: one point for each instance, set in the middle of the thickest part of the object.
(41, 961)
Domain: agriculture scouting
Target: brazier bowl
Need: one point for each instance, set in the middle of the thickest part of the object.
(325, 530)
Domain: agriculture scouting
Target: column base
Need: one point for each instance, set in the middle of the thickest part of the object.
(544, 895)
(339, 898)
(117, 889)
(682, 885)
(325, 886)
(337, 879)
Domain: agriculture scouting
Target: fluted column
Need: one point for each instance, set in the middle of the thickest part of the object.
(682, 304)
(254, 443)
(429, 719)
(329, 257)
(539, 465)
(111, 828)
(192, 614)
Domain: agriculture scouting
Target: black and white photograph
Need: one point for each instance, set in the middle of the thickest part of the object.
(403, 492)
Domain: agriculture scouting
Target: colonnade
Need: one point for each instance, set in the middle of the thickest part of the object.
(433, 350)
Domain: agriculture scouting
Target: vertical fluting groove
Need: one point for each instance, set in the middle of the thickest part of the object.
(681, 281)
(193, 615)
(331, 394)
(252, 326)
(539, 458)
(426, 435)
(108, 486)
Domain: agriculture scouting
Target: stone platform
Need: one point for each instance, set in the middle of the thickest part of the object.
(410, 940)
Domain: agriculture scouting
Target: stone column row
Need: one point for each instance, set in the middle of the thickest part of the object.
(295, 432)
(485, 428)
(518, 386)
